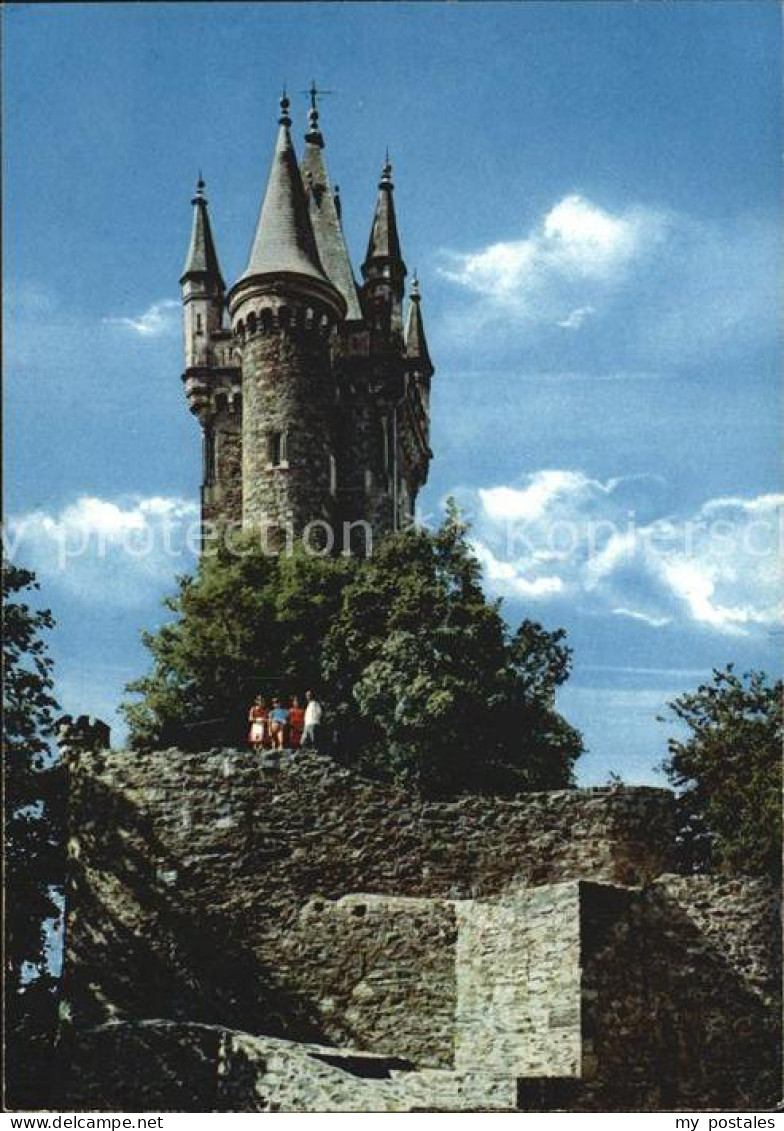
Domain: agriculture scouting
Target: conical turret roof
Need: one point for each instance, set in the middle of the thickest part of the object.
(284, 243)
(325, 218)
(202, 258)
(415, 340)
(384, 243)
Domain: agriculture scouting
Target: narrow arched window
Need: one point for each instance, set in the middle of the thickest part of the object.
(277, 454)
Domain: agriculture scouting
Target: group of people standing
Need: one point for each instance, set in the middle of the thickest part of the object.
(284, 727)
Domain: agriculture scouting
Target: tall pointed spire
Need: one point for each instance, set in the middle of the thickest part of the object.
(284, 243)
(325, 214)
(202, 259)
(415, 340)
(384, 256)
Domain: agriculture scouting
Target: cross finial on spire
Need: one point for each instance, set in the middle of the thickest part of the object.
(415, 294)
(386, 172)
(314, 94)
(284, 118)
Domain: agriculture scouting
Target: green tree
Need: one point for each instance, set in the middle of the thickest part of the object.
(421, 677)
(247, 623)
(727, 769)
(34, 831)
(430, 685)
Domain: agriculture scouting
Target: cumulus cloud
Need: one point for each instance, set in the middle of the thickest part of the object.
(108, 551)
(157, 320)
(561, 534)
(647, 283)
(577, 244)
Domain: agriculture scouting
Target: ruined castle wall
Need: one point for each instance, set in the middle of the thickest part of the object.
(380, 971)
(190, 873)
(168, 1066)
(689, 977)
(518, 984)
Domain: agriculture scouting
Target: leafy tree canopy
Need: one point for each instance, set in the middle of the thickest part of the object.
(728, 769)
(33, 847)
(421, 678)
(34, 832)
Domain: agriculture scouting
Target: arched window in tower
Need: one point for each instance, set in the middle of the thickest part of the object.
(333, 475)
(251, 323)
(199, 326)
(277, 453)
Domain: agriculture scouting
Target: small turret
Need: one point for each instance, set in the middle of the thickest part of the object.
(384, 271)
(202, 286)
(324, 208)
(417, 353)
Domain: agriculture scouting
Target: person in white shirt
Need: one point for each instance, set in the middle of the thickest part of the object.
(314, 713)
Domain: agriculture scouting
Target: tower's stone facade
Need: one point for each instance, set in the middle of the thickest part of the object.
(312, 392)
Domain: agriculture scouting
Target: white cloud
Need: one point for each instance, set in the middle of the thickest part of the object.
(577, 243)
(563, 535)
(157, 320)
(516, 504)
(652, 285)
(576, 317)
(108, 551)
(634, 614)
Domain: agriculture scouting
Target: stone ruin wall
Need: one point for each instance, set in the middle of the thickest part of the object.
(475, 955)
(204, 862)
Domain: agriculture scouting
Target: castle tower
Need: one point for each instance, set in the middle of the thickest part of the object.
(283, 312)
(312, 395)
(384, 271)
(211, 376)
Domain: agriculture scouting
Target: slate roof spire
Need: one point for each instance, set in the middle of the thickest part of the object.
(324, 210)
(415, 340)
(384, 256)
(284, 243)
(202, 259)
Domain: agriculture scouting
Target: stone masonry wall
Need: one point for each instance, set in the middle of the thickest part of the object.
(281, 935)
(518, 984)
(368, 961)
(190, 873)
(287, 388)
(167, 1066)
(222, 499)
(689, 978)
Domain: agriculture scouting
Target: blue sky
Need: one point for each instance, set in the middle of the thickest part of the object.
(589, 193)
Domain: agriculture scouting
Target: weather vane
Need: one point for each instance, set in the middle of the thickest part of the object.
(314, 94)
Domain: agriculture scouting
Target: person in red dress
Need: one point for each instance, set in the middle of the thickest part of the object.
(296, 723)
(257, 717)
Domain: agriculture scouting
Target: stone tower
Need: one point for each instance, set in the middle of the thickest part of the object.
(312, 393)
